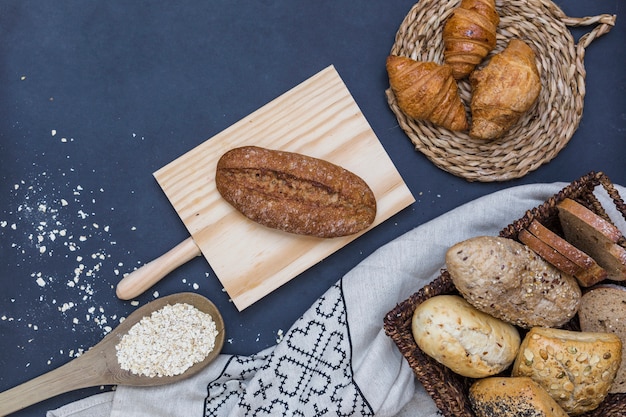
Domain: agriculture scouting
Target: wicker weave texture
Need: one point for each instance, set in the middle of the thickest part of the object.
(545, 129)
(450, 390)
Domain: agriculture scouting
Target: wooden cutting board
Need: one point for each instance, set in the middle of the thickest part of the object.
(318, 118)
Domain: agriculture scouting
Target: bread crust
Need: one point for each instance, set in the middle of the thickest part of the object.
(548, 253)
(506, 279)
(603, 309)
(586, 270)
(575, 368)
(595, 236)
(294, 192)
(512, 396)
(466, 340)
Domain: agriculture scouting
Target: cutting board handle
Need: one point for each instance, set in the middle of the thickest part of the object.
(145, 277)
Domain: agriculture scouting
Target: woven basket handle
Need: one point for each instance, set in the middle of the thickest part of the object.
(604, 23)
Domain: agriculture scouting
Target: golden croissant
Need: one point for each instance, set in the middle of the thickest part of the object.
(503, 90)
(427, 91)
(469, 35)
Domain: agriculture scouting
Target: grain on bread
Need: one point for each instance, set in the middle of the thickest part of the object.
(603, 309)
(466, 340)
(576, 368)
(506, 279)
(595, 236)
(294, 192)
(512, 396)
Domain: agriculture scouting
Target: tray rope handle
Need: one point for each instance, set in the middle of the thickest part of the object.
(604, 23)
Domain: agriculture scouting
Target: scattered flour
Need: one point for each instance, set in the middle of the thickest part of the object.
(49, 216)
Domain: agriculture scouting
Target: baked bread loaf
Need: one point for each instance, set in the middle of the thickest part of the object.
(503, 90)
(469, 35)
(603, 309)
(562, 254)
(295, 193)
(427, 91)
(595, 236)
(506, 279)
(575, 368)
(468, 341)
(512, 396)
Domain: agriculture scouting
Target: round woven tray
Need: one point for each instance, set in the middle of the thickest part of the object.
(545, 129)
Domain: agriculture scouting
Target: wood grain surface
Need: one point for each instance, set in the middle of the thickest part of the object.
(319, 118)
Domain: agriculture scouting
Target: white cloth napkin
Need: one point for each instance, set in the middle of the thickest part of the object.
(336, 359)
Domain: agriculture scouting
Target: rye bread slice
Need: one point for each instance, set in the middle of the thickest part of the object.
(588, 273)
(548, 253)
(595, 236)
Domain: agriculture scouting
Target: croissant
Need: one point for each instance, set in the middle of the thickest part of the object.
(503, 90)
(427, 91)
(469, 35)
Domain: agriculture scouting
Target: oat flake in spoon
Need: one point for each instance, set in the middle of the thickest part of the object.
(168, 342)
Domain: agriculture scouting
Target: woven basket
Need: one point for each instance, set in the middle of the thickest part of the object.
(545, 129)
(448, 389)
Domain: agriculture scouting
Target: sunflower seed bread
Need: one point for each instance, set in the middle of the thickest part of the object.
(576, 368)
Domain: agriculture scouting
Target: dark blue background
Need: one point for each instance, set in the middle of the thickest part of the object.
(129, 86)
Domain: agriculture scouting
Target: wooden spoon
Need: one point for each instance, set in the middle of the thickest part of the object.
(99, 365)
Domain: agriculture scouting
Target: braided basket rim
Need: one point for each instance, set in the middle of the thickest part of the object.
(544, 130)
(449, 390)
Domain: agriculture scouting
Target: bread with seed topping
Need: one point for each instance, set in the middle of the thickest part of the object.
(575, 368)
(603, 309)
(512, 396)
(506, 279)
(295, 193)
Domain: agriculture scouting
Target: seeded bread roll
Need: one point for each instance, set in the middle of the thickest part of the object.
(295, 193)
(603, 309)
(595, 236)
(468, 341)
(512, 396)
(576, 368)
(554, 248)
(506, 279)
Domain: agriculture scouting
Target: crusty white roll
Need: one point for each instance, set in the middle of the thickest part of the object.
(603, 309)
(506, 279)
(576, 368)
(466, 340)
(512, 396)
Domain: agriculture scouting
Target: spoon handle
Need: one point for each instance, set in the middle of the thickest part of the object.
(145, 277)
(81, 372)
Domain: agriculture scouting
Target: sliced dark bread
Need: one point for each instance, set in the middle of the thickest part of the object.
(548, 253)
(588, 271)
(595, 236)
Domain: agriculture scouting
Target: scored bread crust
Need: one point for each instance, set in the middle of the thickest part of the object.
(512, 396)
(294, 192)
(576, 368)
(595, 236)
(586, 269)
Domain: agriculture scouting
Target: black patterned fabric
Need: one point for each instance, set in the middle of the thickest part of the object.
(308, 374)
